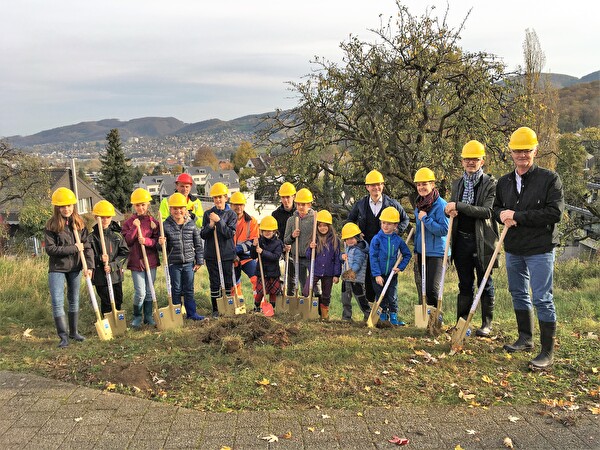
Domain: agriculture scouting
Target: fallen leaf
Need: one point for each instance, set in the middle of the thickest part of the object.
(311, 429)
(287, 435)
(513, 419)
(325, 416)
(471, 431)
(263, 382)
(367, 388)
(508, 442)
(110, 386)
(377, 432)
(594, 370)
(224, 447)
(378, 381)
(465, 397)
(27, 333)
(270, 438)
(359, 414)
(595, 410)
(487, 379)
(385, 372)
(78, 419)
(398, 440)
(458, 447)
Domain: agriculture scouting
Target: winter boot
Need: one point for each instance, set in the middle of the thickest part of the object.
(190, 311)
(148, 319)
(383, 316)
(463, 306)
(73, 334)
(61, 330)
(487, 314)
(137, 316)
(394, 320)
(324, 312)
(525, 327)
(547, 338)
(215, 309)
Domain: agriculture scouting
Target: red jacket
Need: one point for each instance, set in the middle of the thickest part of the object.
(136, 260)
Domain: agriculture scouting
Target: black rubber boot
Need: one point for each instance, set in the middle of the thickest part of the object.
(148, 319)
(61, 330)
(137, 316)
(487, 314)
(525, 326)
(547, 339)
(73, 320)
(463, 306)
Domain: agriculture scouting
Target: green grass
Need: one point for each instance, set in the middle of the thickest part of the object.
(217, 365)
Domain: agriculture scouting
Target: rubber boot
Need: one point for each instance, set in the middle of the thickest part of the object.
(137, 316)
(61, 330)
(525, 327)
(324, 312)
(215, 309)
(73, 334)
(547, 339)
(463, 306)
(383, 316)
(148, 319)
(394, 320)
(190, 311)
(487, 314)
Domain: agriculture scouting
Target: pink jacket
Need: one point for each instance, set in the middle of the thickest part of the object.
(136, 260)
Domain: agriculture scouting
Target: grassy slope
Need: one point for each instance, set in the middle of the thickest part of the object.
(216, 365)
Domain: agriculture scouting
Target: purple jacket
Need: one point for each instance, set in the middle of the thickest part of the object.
(327, 262)
(136, 260)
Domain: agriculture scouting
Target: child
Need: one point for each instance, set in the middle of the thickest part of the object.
(185, 252)
(221, 218)
(383, 253)
(65, 263)
(356, 257)
(328, 266)
(270, 248)
(142, 298)
(111, 263)
(303, 234)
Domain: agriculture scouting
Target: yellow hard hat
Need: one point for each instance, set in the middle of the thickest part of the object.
(63, 197)
(523, 138)
(424, 174)
(374, 177)
(350, 230)
(218, 189)
(237, 198)
(287, 189)
(304, 196)
(177, 200)
(324, 216)
(390, 214)
(140, 195)
(473, 149)
(104, 209)
(268, 224)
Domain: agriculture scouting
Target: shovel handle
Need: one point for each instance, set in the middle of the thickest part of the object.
(297, 259)
(444, 268)
(219, 262)
(147, 266)
(85, 274)
(111, 293)
(165, 258)
(311, 278)
(423, 271)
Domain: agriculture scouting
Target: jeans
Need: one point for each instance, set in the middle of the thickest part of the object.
(142, 292)
(533, 272)
(182, 282)
(390, 299)
(467, 265)
(56, 283)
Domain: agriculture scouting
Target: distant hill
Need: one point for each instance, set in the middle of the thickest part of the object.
(579, 106)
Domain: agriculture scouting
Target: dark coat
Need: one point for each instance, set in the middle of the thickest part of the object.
(64, 256)
(225, 233)
(369, 224)
(184, 244)
(272, 250)
(281, 216)
(117, 251)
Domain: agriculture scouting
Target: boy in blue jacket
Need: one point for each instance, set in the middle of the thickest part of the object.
(383, 253)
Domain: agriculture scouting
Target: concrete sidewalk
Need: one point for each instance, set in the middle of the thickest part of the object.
(38, 413)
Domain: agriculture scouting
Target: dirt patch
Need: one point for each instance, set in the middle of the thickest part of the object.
(249, 330)
(128, 374)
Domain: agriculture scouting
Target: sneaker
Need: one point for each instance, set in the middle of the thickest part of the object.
(215, 314)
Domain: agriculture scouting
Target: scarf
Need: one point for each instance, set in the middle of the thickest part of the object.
(425, 203)
(469, 182)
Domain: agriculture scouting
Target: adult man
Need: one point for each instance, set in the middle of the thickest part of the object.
(474, 233)
(183, 185)
(246, 232)
(287, 194)
(365, 214)
(530, 201)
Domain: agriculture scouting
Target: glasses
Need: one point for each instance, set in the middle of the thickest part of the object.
(522, 152)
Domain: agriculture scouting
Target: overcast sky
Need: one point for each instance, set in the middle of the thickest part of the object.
(68, 61)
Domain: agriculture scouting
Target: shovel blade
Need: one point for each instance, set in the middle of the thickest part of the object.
(240, 310)
(267, 308)
(374, 315)
(169, 318)
(281, 304)
(103, 329)
(459, 334)
(312, 310)
(292, 305)
(118, 324)
(421, 320)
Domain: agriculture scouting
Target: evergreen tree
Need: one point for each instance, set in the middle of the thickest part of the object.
(115, 181)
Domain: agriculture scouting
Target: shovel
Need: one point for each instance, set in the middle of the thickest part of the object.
(115, 318)
(294, 301)
(102, 325)
(310, 306)
(265, 305)
(282, 302)
(376, 309)
(435, 319)
(157, 319)
(462, 330)
(423, 310)
(171, 316)
(225, 304)
(240, 306)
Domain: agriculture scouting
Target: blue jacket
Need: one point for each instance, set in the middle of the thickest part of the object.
(327, 262)
(384, 252)
(436, 229)
(357, 260)
(184, 244)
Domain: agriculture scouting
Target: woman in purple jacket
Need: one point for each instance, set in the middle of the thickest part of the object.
(328, 264)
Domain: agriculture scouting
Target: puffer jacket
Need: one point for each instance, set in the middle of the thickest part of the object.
(184, 244)
(135, 261)
(272, 250)
(225, 233)
(306, 230)
(383, 253)
(357, 260)
(117, 251)
(64, 256)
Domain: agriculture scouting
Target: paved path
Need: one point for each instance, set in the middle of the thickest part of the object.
(38, 413)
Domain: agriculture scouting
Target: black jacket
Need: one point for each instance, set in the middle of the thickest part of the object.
(64, 256)
(184, 244)
(486, 228)
(272, 250)
(538, 208)
(117, 251)
(369, 224)
(225, 233)
(281, 216)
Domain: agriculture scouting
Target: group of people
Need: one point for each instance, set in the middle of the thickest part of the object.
(528, 200)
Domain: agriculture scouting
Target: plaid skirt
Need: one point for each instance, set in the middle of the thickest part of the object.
(273, 287)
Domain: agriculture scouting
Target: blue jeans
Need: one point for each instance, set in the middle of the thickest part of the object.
(182, 282)
(390, 299)
(535, 272)
(56, 283)
(141, 289)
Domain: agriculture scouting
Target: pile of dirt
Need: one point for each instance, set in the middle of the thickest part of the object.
(233, 333)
